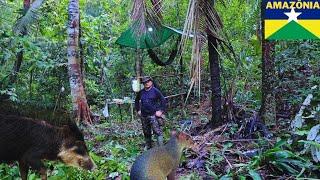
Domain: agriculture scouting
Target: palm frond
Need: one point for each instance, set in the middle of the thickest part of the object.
(25, 21)
(193, 26)
(144, 19)
(213, 22)
(157, 8)
(188, 28)
(201, 19)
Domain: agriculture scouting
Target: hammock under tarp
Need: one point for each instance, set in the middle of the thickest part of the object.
(154, 37)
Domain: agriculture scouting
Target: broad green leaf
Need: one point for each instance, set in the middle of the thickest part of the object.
(314, 131)
(314, 153)
(226, 177)
(280, 143)
(301, 133)
(287, 168)
(310, 142)
(255, 175)
(297, 163)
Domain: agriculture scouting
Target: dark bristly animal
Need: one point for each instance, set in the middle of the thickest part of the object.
(29, 141)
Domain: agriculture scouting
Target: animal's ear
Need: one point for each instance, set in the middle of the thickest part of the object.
(79, 143)
(65, 127)
(173, 133)
(182, 135)
(75, 130)
(72, 125)
(66, 130)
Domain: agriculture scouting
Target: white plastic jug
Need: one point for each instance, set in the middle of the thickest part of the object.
(105, 111)
(136, 85)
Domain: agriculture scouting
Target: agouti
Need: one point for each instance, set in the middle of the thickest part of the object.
(161, 162)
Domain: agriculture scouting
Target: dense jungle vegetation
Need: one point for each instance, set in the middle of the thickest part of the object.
(241, 145)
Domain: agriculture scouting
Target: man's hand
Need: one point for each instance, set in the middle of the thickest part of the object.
(159, 113)
(139, 113)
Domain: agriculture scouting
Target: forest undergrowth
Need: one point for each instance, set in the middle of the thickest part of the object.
(238, 149)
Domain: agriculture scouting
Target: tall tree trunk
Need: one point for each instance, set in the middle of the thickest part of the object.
(81, 51)
(19, 55)
(139, 64)
(26, 5)
(81, 109)
(215, 81)
(214, 71)
(268, 104)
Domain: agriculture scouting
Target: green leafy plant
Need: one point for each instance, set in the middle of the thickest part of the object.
(313, 143)
(11, 93)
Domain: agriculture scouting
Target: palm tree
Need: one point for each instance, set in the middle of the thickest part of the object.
(203, 21)
(214, 66)
(81, 110)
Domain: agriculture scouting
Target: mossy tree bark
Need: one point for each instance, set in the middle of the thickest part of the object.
(268, 104)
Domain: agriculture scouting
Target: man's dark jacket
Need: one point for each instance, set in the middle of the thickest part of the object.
(152, 100)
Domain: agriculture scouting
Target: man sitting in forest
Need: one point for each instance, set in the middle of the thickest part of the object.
(151, 111)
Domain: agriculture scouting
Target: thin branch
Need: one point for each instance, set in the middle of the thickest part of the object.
(30, 17)
(230, 165)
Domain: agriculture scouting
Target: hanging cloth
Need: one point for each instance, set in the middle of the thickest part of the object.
(172, 56)
(154, 37)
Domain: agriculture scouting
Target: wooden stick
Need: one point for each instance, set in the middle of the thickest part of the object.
(228, 161)
(168, 75)
(175, 95)
(240, 140)
(234, 140)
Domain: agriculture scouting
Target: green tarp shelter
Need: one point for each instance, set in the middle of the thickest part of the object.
(154, 37)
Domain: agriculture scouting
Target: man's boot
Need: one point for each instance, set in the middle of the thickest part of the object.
(148, 143)
(160, 140)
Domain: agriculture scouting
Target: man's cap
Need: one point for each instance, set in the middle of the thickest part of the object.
(146, 79)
